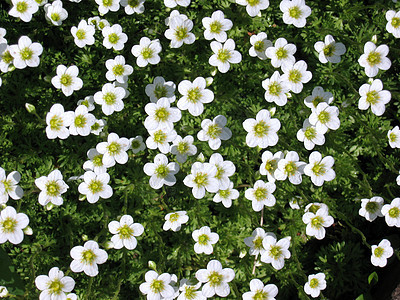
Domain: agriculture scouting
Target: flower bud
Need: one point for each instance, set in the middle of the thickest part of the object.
(85, 237)
(152, 265)
(201, 157)
(49, 206)
(30, 108)
(109, 245)
(209, 81)
(272, 111)
(374, 39)
(28, 230)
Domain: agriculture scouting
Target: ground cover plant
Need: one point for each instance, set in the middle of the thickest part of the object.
(199, 149)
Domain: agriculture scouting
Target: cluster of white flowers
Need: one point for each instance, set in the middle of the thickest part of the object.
(375, 207)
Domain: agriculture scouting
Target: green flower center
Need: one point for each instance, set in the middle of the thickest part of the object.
(294, 76)
(56, 123)
(275, 252)
(7, 57)
(157, 286)
(374, 58)
(329, 50)
(215, 27)
(314, 208)
(125, 232)
(160, 91)
(295, 12)
(95, 186)
(290, 168)
(260, 194)
(318, 169)
(260, 295)
(7, 185)
(95, 126)
(271, 165)
(80, 121)
(392, 137)
(324, 117)
(56, 287)
(53, 188)
(55, 17)
(317, 100)
(66, 79)
(274, 89)
(162, 171)
(161, 114)
(135, 144)
(183, 147)
(9, 225)
(220, 172)
(395, 22)
(101, 25)
(260, 129)
(109, 98)
(281, 53)
(223, 55)
(203, 239)
(113, 38)
(214, 131)
(194, 95)
(118, 70)
(259, 46)
(224, 193)
(201, 179)
(314, 283)
(181, 33)
(114, 148)
(107, 2)
(310, 133)
(98, 160)
(257, 242)
(81, 34)
(378, 252)
(88, 257)
(317, 222)
(22, 7)
(174, 217)
(26, 53)
(160, 137)
(372, 97)
(190, 292)
(371, 207)
(133, 3)
(394, 212)
(215, 278)
(253, 2)
(147, 53)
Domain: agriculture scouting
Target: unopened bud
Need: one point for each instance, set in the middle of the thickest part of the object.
(201, 157)
(82, 197)
(30, 108)
(109, 245)
(370, 80)
(209, 81)
(272, 111)
(242, 253)
(85, 237)
(152, 265)
(28, 231)
(49, 206)
(214, 72)
(374, 39)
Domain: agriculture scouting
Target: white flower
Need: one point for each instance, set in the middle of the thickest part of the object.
(3, 291)
(95, 186)
(160, 139)
(259, 291)
(23, 9)
(295, 12)
(124, 86)
(174, 220)
(373, 95)
(88, 102)
(216, 26)
(55, 13)
(83, 34)
(98, 126)
(394, 137)
(51, 188)
(57, 122)
(281, 53)
(183, 148)
(9, 186)
(204, 239)
(55, 285)
(393, 24)
(226, 195)
(95, 162)
(392, 212)
(147, 52)
(114, 37)
(161, 171)
(124, 232)
(294, 203)
(26, 53)
(310, 136)
(114, 150)
(317, 96)
(270, 164)
(67, 79)
(371, 208)
(194, 94)
(290, 167)
(296, 75)
(224, 55)
(253, 8)
(99, 23)
(317, 222)
(380, 253)
(135, 6)
(202, 178)
(320, 169)
(374, 58)
(189, 292)
(259, 43)
(216, 279)
(314, 285)
(276, 89)
(275, 251)
(261, 195)
(255, 241)
(6, 59)
(83, 121)
(11, 225)
(110, 98)
(225, 169)
(325, 117)
(262, 131)
(157, 286)
(174, 14)
(72, 296)
(173, 3)
(136, 144)
(3, 32)
(329, 50)
(314, 207)
(107, 5)
(87, 258)
(214, 131)
(161, 89)
(161, 115)
(118, 70)
(179, 32)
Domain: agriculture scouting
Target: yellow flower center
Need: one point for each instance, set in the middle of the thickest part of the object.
(98, 160)
(318, 169)
(281, 53)
(260, 295)
(183, 147)
(66, 79)
(214, 131)
(95, 186)
(374, 58)
(392, 137)
(56, 287)
(395, 22)
(7, 57)
(378, 252)
(80, 121)
(161, 114)
(107, 2)
(204, 239)
(9, 225)
(310, 133)
(329, 50)
(275, 252)
(81, 34)
(215, 27)
(162, 171)
(260, 194)
(260, 129)
(181, 33)
(118, 70)
(259, 46)
(290, 168)
(194, 95)
(314, 283)
(157, 286)
(215, 278)
(271, 165)
(88, 257)
(317, 222)
(55, 17)
(114, 148)
(324, 117)
(223, 55)
(56, 123)
(53, 188)
(125, 232)
(147, 53)
(295, 12)
(190, 292)
(109, 98)
(257, 242)
(224, 193)
(26, 53)
(174, 217)
(394, 212)
(372, 97)
(160, 137)
(22, 7)
(294, 76)
(201, 179)
(253, 2)
(113, 38)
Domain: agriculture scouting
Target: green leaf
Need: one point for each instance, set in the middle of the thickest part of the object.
(373, 278)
